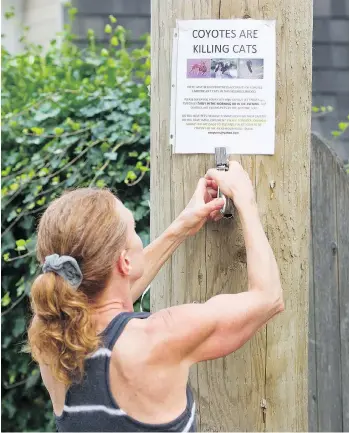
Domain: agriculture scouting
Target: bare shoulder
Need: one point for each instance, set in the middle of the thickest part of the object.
(175, 331)
(191, 333)
(163, 337)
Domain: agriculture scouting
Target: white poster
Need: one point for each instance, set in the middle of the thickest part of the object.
(223, 86)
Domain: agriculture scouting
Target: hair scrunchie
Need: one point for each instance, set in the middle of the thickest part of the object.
(65, 266)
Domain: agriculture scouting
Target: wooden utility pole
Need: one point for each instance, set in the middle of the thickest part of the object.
(263, 386)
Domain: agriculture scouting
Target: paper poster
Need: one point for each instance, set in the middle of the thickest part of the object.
(223, 86)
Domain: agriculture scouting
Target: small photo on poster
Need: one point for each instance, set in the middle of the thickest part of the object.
(198, 68)
(251, 69)
(224, 68)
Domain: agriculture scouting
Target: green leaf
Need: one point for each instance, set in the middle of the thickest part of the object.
(143, 155)
(58, 131)
(11, 216)
(6, 300)
(90, 33)
(19, 327)
(14, 186)
(100, 183)
(140, 212)
(75, 126)
(38, 131)
(343, 126)
(9, 15)
(111, 155)
(112, 19)
(108, 28)
(6, 342)
(114, 41)
(111, 63)
(336, 133)
(6, 171)
(20, 242)
(12, 379)
(6, 257)
(41, 201)
(46, 112)
(21, 245)
(131, 175)
(72, 12)
(20, 290)
(104, 52)
(43, 172)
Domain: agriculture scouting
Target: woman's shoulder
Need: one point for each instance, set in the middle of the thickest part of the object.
(143, 341)
(135, 337)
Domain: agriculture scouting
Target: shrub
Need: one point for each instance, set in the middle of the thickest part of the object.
(71, 117)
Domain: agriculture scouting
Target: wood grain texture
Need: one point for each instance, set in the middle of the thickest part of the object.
(312, 379)
(273, 365)
(326, 293)
(285, 213)
(342, 184)
(329, 299)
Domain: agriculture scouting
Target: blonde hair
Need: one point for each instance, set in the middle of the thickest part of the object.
(84, 224)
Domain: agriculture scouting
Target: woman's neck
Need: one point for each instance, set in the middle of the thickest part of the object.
(104, 311)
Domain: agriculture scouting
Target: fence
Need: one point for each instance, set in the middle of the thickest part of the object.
(329, 292)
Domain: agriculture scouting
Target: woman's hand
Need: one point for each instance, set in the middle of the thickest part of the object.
(234, 183)
(203, 206)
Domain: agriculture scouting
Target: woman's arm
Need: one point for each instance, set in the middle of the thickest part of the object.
(198, 332)
(155, 255)
(201, 206)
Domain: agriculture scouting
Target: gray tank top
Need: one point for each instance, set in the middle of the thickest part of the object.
(90, 406)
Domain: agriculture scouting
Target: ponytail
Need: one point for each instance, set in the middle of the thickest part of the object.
(61, 332)
(86, 227)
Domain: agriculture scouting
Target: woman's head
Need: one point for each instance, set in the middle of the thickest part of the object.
(92, 226)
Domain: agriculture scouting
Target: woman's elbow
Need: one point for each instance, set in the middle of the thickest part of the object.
(278, 305)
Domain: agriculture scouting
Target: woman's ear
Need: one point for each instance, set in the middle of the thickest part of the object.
(124, 264)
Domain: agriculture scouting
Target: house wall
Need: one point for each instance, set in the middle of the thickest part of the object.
(134, 15)
(331, 69)
(44, 19)
(11, 28)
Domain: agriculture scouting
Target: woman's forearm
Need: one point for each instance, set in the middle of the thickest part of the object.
(155, 255)
(262, 269)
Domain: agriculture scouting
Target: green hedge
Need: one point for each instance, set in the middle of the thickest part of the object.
(70, 117)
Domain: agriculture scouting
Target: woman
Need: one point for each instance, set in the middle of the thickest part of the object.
(107, 368)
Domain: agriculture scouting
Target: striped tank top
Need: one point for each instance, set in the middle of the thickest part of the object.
(90, 406)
